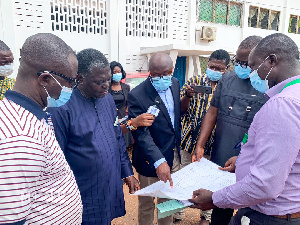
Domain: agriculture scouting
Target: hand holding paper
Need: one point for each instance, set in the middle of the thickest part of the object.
(202, 199)
(197, 175)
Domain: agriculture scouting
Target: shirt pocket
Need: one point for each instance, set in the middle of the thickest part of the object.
(240, 106)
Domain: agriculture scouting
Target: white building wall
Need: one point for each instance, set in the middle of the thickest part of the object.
(169, 19)
(152, 23)
(80, 23)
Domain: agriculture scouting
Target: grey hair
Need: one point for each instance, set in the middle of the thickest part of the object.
(90, 58)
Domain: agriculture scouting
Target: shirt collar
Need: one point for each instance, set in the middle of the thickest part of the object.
(278, 87)
(26, 103)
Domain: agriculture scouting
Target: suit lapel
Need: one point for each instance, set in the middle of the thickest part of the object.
(153, 94)
(176, 99)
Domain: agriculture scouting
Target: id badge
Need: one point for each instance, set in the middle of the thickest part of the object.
(153, 110)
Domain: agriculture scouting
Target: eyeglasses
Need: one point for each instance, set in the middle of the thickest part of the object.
(164, 77)
(236, 62)
(74, 81)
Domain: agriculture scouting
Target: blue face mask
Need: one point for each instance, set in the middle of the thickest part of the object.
(242, 73)
(256, 82)
(162, 84)
(213, 75)
(117, 77)
(64, 96)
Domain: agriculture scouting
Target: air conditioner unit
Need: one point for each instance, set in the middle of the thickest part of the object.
(208, 33)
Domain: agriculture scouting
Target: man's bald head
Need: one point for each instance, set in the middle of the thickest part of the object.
(6, 56)
(160, 64)
(279, 44)
(46, 51)
(3, 46)
(250, 42)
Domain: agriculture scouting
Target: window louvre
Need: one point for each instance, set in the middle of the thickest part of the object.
(206, 10)
(220, 11)
(235, 15)
(294, 25)
(263, 18)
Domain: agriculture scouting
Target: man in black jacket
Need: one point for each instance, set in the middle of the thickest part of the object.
(156, 151)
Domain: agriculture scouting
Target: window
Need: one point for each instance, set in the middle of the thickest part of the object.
(294, 26)
(220, 11)
(263, 18)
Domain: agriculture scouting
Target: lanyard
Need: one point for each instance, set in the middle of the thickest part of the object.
(241, 142)
(245, 138)
(297, 81)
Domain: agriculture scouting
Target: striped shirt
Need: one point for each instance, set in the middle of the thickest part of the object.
(6, 84)
(36, 182)
(191, 120)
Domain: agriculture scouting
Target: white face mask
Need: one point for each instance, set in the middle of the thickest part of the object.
(6, 70)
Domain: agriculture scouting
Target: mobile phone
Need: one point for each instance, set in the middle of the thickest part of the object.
(201, 89)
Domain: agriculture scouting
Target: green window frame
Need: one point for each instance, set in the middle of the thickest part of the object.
(220, 11)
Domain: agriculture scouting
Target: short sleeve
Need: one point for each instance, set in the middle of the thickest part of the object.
(217, 94)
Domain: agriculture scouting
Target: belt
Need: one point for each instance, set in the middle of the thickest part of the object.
(289, 216)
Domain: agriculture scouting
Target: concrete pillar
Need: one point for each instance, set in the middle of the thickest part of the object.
(113, 29)
(190, 67)
(173, 54)
(192, 22)
(284, 20)
(244, 21)
(197, 65)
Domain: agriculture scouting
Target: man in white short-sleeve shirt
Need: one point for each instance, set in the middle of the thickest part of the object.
(37, 185)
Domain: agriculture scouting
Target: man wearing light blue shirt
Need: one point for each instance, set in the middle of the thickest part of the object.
(156, 150)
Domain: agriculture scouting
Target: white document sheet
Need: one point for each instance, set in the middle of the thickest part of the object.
(203, 174)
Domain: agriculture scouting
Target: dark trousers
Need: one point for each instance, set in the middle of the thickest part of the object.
(257, 218)
(221, 216)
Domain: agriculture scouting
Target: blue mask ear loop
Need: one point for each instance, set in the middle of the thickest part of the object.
(48, 96)
(150, 77)
(56, 82)
(269, 73)
(46, 91)
(260, 66)
(270, 69)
